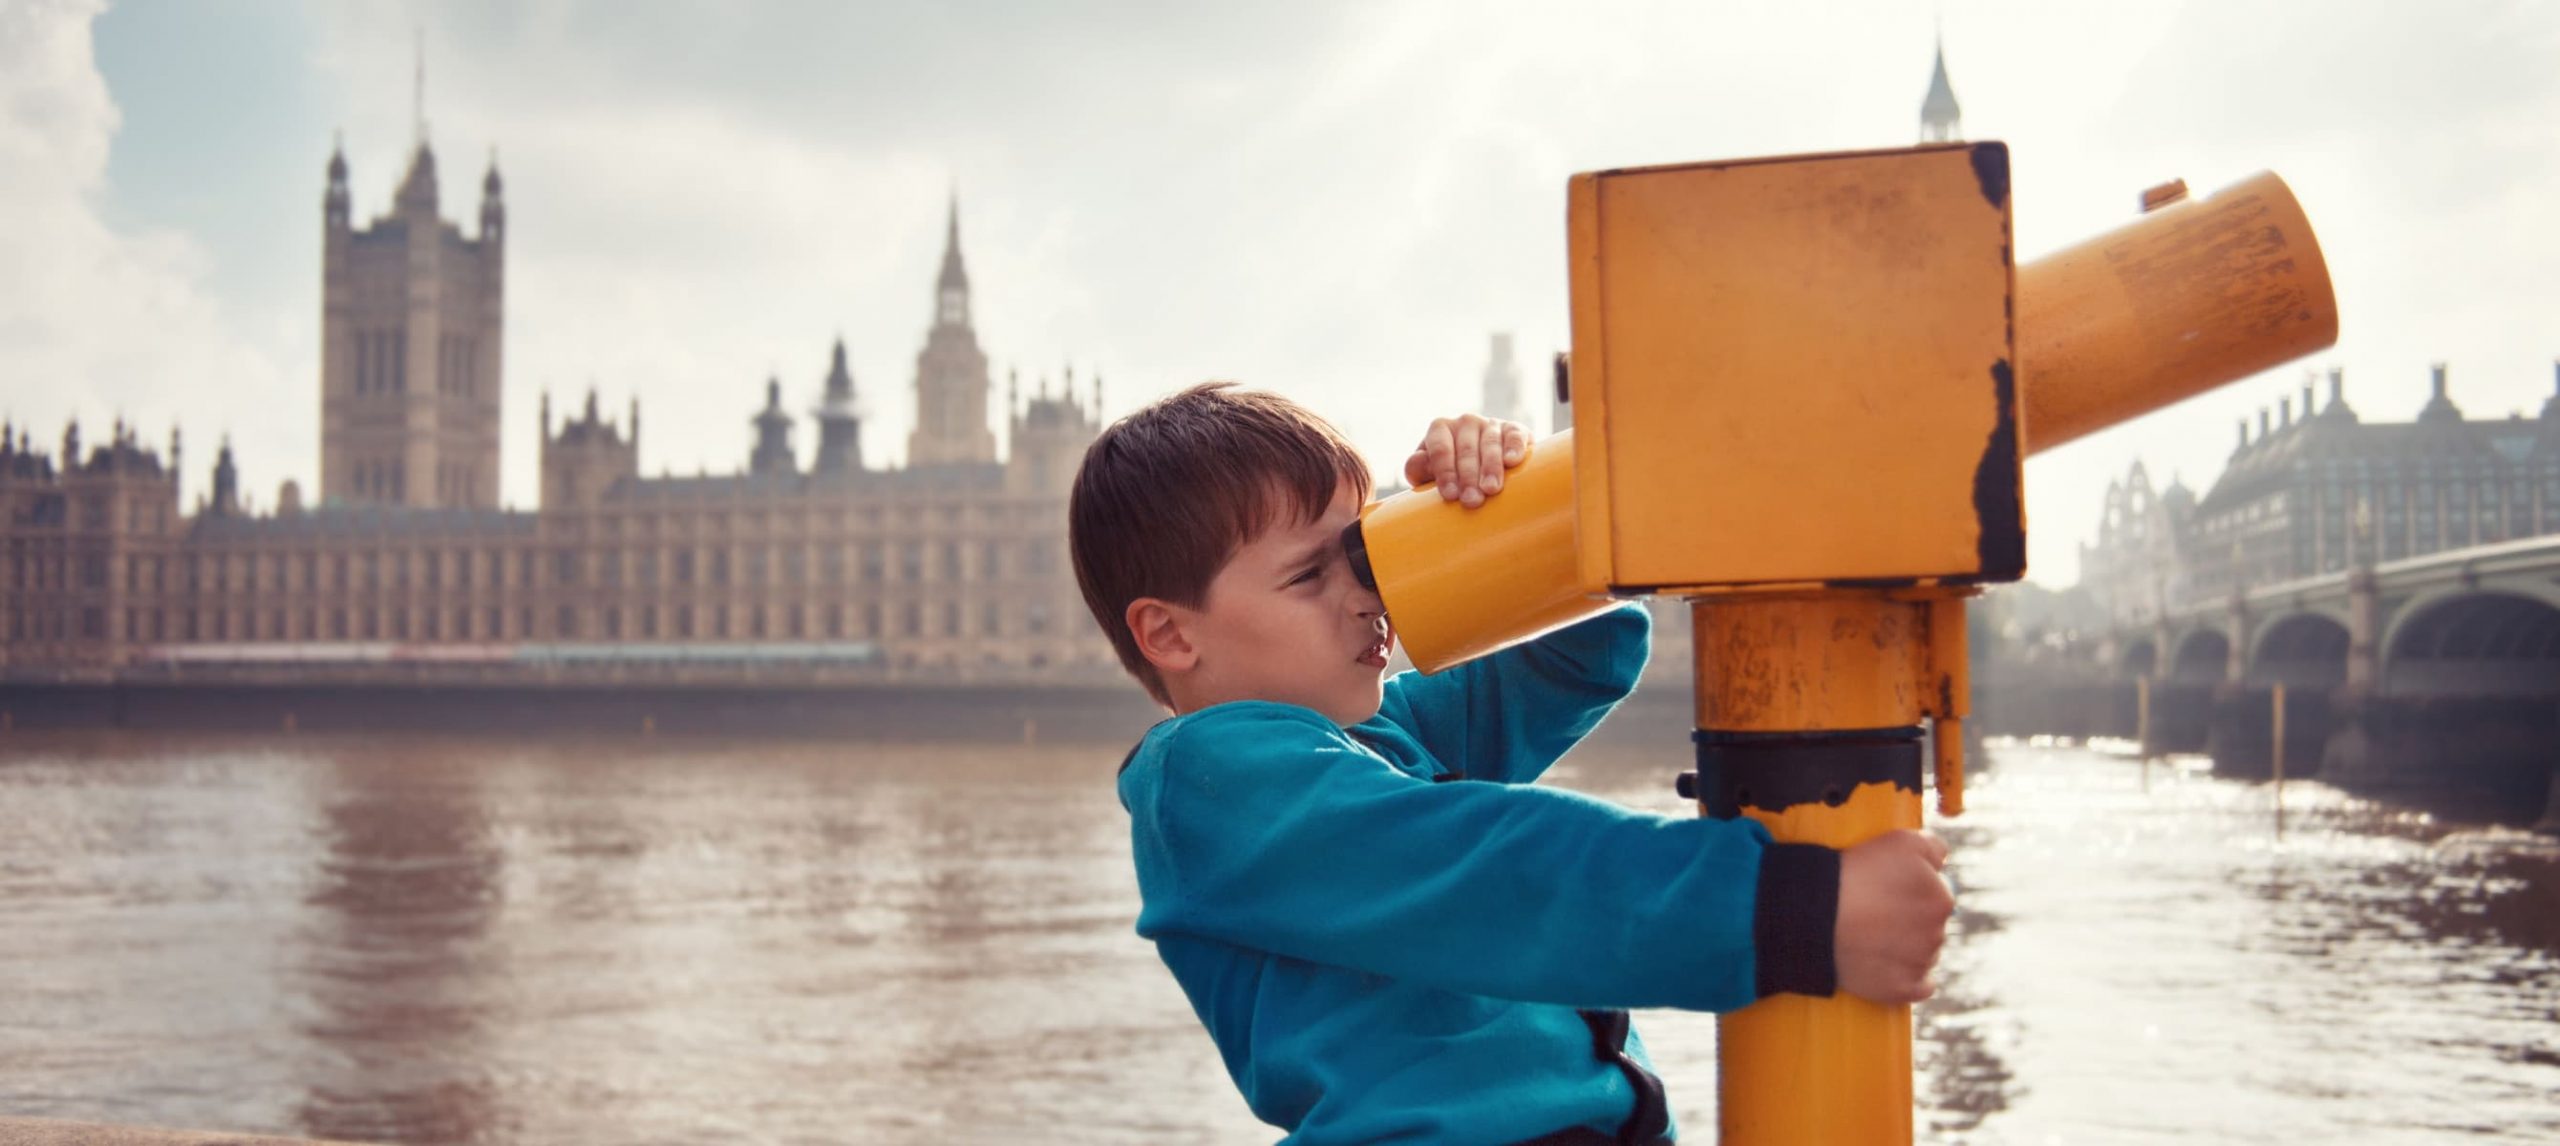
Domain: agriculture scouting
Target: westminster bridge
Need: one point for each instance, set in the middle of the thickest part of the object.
(2437, 671)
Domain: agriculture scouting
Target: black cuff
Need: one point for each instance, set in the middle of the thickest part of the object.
(1791, 925)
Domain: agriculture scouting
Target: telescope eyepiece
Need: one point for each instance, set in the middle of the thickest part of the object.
(1356, 546)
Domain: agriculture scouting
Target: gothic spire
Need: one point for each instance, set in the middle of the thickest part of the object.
(773, 435)
(954, 275)
(417, 192)
(839, 426)
(418, 108)
(2439, 407)
(226, 481)
(493, 204)
(1940, 117)
(839, 377)
(334, 202)
(951, 291)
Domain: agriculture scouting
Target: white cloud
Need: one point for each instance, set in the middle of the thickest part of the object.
(96, 322)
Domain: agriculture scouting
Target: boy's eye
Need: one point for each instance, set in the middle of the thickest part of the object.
(1313, 572)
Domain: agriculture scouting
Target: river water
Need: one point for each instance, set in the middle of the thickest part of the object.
(468, 940)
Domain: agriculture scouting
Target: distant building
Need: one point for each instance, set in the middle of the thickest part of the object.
(411, 331)
(2315, 490)
(1502, 398)
(2139, 565)
(954, 564)
(951, 372)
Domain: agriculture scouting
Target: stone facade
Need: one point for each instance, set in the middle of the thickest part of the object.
(411, 335)
(2315, 490)
(951, 567)
(2139, 565)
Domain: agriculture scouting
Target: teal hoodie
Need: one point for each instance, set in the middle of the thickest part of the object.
(1382, 957)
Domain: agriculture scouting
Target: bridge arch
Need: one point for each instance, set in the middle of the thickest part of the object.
(2473, 644)
(2203, 655)
(2141, 657)
(2301, 650)
(2263, 623)
(2398, 614)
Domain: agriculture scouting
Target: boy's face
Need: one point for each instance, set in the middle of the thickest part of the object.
(1286, 621)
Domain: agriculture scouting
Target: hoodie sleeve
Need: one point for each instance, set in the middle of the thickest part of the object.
(1263, 827)
(1508, 716)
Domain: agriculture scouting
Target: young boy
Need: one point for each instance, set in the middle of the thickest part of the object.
(1381, 955)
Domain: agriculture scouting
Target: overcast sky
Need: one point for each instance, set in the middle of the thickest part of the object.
(1339, 201)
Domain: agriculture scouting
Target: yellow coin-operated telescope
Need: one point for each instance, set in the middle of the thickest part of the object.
(1802, 390)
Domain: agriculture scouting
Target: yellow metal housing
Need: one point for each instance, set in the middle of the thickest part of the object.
(1796, 369)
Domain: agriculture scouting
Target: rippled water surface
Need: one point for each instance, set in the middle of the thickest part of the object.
(463, 941)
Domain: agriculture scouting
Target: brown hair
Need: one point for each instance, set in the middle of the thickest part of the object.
(1167, 495)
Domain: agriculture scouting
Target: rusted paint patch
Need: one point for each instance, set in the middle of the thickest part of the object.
(1991, 167)
(2000, 546)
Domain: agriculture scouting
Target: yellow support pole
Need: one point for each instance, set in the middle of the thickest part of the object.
(1808, 717)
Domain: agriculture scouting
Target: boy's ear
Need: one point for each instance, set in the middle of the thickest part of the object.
(1162, 636)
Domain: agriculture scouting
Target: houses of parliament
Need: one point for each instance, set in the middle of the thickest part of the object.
(951, 566)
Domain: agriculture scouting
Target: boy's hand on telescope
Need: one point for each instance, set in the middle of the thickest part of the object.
(1465, 456)
(1893, 917)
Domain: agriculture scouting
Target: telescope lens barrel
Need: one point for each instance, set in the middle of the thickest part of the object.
(1464, 582)
(2190, 296)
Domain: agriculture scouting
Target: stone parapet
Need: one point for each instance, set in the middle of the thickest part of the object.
(57, 1132)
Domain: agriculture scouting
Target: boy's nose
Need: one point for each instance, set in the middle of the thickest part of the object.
(1365, 602)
